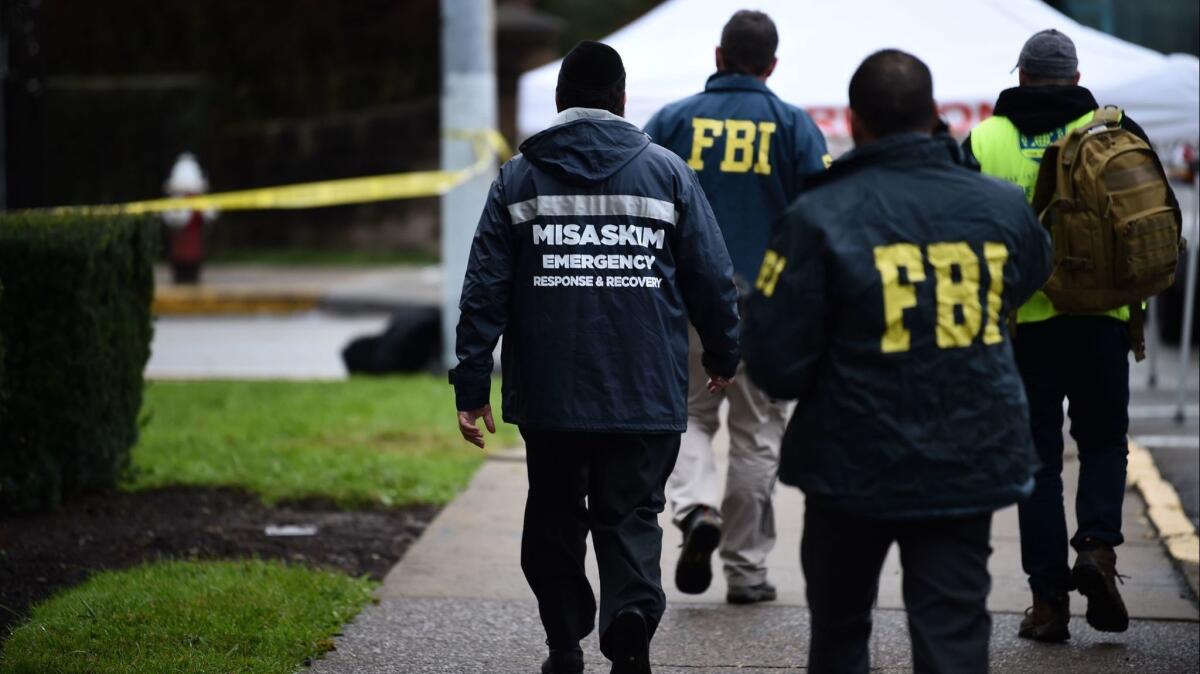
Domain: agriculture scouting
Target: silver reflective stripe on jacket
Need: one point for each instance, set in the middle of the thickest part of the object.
(593, 205)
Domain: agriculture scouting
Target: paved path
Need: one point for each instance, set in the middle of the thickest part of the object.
(344, 290)
(296, 346)
(214, 341)
(458, 603)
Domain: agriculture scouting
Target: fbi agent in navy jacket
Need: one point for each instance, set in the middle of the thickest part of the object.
(881, 306)
(751, 152)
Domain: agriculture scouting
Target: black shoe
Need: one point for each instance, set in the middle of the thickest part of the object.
(1047, 620)
(1095, 575)
(563, 662)
(701, 535)
(751, 594)
(629, 642)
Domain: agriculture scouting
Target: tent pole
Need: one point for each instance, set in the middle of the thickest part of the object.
(1189, 302)
(1152, 342)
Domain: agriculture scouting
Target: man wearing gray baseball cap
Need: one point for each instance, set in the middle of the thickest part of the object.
(1080, 357)
(1049, 54)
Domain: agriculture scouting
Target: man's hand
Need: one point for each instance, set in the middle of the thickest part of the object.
(470, 430)
(716, 384)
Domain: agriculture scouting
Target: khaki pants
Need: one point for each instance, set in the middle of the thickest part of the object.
(756, 425)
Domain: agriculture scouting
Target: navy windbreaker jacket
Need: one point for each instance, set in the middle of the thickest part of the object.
(882, 308)
(594, 250)
(751, 152)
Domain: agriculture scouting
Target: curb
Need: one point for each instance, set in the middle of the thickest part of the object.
(1166, 513)
(511, 454)
(200, 301)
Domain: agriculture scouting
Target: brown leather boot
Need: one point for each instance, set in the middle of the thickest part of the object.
(1095, 576)
(1047, 620)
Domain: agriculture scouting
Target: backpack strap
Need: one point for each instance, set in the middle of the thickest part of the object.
(1102, 118)
(1137, 330)
(1109, 115)
(1043, 190)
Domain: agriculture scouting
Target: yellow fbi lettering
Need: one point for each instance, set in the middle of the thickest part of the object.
(898, 294)
(956, 272)
(996, 254)
(747, 144)
(958, 312)
(768, 275)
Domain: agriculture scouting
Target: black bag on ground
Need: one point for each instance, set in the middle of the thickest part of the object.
(411, 342)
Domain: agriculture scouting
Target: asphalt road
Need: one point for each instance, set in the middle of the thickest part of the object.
(1174, 445)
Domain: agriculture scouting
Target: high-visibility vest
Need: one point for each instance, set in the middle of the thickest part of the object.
(1006, 153)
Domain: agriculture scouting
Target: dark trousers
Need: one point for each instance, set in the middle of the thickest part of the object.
(946, 585)
(1085, 360)
(610, 484)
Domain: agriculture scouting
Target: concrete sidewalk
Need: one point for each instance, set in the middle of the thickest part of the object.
(274, 289)
(458, 603)
(301, 346)
(250, 321)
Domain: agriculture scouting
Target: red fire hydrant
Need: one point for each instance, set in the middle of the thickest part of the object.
(185, 245)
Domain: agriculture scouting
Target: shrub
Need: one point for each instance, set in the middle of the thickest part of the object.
(75, 333)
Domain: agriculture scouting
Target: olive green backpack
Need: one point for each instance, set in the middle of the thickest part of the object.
(1113, 220)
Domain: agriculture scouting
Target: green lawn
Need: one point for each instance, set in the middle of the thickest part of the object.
(388, 441)
(385, 441)
(249, 617)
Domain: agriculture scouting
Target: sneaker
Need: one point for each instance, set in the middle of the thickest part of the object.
(563, 662)
(701, 535)
(751, 594)
(1095, 575)
(1047, 620)
(629, 643)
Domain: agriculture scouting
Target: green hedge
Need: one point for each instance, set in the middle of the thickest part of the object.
(75, 333)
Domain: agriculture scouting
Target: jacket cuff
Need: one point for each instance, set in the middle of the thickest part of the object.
(720, 365)
(471, 395)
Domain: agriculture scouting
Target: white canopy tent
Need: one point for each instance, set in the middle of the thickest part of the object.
(970, 47)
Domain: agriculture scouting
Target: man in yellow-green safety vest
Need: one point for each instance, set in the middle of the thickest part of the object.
(1083, 358)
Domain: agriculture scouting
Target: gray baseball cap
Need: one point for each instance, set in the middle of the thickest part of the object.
(1048, 53)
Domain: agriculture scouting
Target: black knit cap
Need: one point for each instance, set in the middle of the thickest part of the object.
(591, 66)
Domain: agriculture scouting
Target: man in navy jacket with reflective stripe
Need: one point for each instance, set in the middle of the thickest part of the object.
(751, 152)
(595, 250)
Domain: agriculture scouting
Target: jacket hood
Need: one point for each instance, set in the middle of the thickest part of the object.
(906, 147)
(1035, 110)
(901, 148)
(729, 81)
(584, 146)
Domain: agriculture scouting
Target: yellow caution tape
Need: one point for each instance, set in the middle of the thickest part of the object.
(487, 144)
